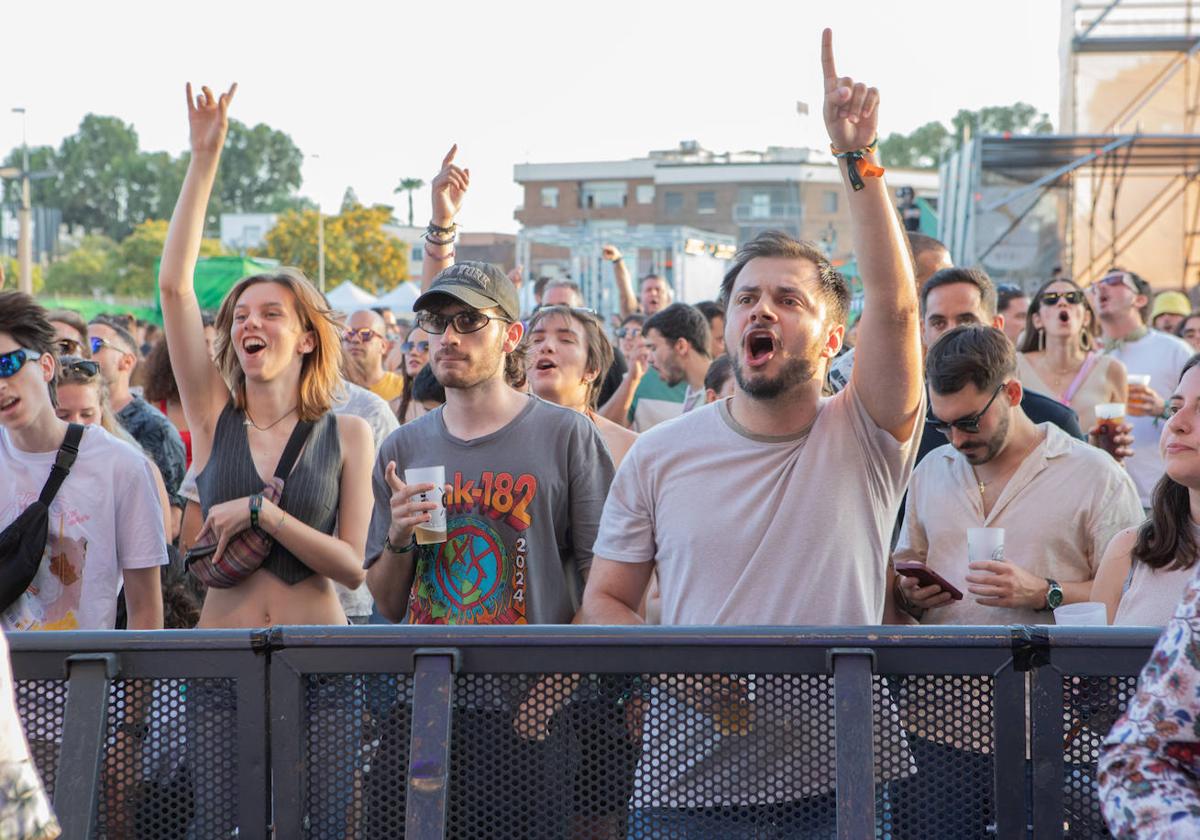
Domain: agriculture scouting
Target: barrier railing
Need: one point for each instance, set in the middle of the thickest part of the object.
(565, 732)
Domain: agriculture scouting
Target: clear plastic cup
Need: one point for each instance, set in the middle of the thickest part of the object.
(1142, 379)
(433, 531)
(985, 544)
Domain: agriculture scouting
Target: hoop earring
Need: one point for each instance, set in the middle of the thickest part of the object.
(1085, 341)
(1041, 339)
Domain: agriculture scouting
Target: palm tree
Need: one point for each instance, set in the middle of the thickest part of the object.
(408, 185)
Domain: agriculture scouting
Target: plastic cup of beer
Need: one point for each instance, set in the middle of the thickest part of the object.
(1141, 379)
(1086, 614)
(433, 531)
(1110, 416)
(985, 544)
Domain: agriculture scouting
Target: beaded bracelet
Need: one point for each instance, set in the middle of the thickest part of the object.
(439, 229)
(434, 256)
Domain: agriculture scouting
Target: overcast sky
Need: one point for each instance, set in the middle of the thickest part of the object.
(380, 90)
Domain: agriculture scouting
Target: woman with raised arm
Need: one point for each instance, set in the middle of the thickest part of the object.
(275, 372)
(277, 350)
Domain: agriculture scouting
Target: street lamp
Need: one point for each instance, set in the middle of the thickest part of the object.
(320, 239)
(25, 216)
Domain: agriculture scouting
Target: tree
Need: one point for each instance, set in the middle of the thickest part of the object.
(408, 185)
(260, 172)
(133, 261)
(95, 166)
(41, 159)
(926, 146)
(350, 199)
(86, 267)
(357, 248)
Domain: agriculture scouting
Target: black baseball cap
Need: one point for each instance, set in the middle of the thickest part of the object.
(477, 284)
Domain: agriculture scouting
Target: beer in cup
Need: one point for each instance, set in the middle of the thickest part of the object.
(1111, 416)
(433, 531)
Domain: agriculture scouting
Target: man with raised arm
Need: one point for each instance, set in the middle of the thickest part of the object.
(784, 464)
(449, 188)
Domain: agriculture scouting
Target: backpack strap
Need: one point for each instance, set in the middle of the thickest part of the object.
(292, 451)
(62, 464)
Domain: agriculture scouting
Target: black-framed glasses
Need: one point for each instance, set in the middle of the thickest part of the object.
(419, 346)
(14, 360)
(466, 322)
(98, 343)
(968, 424)
(362, 335)
(76, 365)
(1052, 298)
(629, 332)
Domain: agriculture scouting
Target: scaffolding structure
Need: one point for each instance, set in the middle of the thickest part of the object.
(1119, 185)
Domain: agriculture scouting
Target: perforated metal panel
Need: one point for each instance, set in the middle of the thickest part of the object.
(1091, 705)
(378, 809)
(948, 790)
(41, 705)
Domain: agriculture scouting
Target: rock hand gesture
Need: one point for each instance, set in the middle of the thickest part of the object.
(208, 118)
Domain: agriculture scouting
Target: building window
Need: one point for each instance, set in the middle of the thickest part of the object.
(829, 202)
(645, 194)
(706, 202)
(673, 203)
(604, 194)
(549, 196)
(760, 206)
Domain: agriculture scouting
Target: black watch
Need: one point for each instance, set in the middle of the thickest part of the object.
(407, 548)
(1054, 595)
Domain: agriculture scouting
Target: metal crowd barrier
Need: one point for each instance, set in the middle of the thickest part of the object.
(429, 732)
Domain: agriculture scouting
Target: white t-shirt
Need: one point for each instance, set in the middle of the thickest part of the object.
(1163, 357)
(105, 518)
(746, 529)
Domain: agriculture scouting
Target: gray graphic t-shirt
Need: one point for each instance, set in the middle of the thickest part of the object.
(522, 514)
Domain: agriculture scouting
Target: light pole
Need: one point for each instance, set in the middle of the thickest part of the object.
(25, 216)
(320, 239)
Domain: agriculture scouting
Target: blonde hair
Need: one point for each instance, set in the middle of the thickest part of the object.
(68, 374)
(320, 372)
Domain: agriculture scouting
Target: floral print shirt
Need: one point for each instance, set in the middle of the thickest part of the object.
(1149, 771)
(24, 808)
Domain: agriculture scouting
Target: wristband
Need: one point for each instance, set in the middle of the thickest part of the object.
(434, 226)
(255, 508)
(432, 255)
(407, 548)
(854, 160)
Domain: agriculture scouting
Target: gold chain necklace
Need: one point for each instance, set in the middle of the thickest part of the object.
(249, 422)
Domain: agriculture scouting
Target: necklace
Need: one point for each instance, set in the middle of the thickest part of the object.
(249, 422)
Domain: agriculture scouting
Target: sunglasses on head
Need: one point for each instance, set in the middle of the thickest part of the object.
(968, 424)
(1052, 298)
(14, 360)
(419, 346)
(465, 322)
(85, 366)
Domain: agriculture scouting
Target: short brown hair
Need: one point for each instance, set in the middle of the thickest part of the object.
(75, 321)
(773, 243)
(320, 373)
(25, 320)
(968, 276)
(976, 355)
(599, 348)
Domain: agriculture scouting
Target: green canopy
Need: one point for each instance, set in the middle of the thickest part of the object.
(217, 275)
(89, 307)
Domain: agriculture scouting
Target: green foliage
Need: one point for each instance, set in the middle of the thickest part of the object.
(926, 146)
(87, 267)
(357, 248)
(105, 183)
(408, 185)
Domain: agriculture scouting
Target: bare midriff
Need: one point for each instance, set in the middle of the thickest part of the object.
(263, 599)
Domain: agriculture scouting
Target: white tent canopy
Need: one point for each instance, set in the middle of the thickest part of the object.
(347, 298)
(400, 299)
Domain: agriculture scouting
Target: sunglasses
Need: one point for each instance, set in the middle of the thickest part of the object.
(419, 346)
(14, 360)
(1120, 278)
(361, 335)
(69, 347)
(629, 332)
(1052, 298)
(466, 322)
(97, 343)
(85, 366)
(968, 424)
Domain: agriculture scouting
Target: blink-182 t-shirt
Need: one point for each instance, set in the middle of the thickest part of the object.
(522, 514)
(106, 518)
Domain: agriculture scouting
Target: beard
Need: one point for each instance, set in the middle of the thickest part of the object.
(981, 452)
(796, 370)
(482, 366)
(356, 369)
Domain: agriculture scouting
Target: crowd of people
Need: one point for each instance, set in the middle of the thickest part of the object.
(269, 463)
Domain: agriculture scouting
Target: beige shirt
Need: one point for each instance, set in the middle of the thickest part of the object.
(746, 529)
(1093, 391)
(1152, 596)
(1059, 510)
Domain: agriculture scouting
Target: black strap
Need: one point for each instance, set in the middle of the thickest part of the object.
(292, 451)
(62, 464)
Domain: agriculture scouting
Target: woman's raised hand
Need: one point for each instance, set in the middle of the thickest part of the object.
(208, 117)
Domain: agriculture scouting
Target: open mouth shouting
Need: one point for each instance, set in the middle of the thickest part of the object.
(760, 346)
(545, 363)
(1064, 317)
(253, 345)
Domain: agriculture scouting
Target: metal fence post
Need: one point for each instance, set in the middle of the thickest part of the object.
(1047, 723)
(854, 725)
(254, 744)
(85, 730)
(1010, 787)
(429, 749)
(289, 734)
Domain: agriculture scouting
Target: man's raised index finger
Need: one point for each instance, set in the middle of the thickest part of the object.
(827, 54)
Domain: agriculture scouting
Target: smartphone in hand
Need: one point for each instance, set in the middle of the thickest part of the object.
(926, 576)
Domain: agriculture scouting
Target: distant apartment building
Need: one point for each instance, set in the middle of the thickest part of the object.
(240, 232)
(735, 194)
